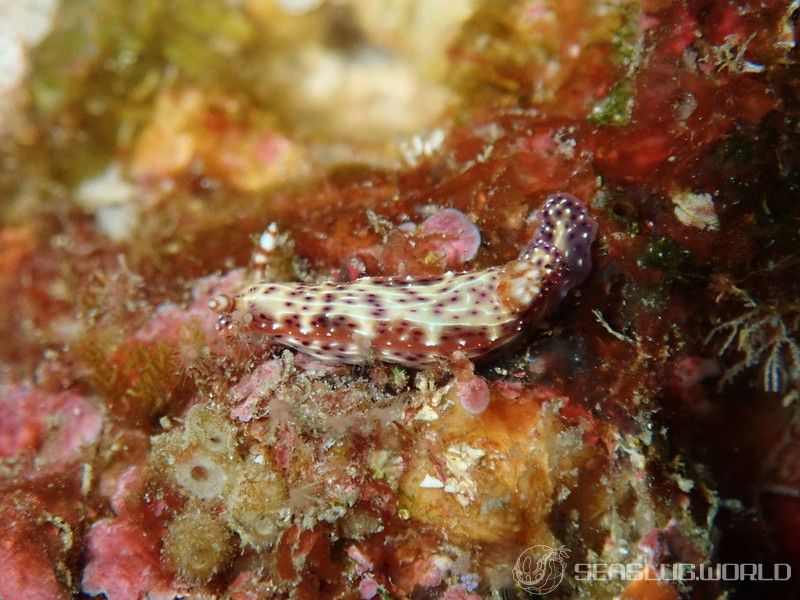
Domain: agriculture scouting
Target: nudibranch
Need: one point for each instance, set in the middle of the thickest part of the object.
(414, 322)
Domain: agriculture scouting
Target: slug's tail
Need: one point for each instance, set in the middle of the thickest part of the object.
(565, 223)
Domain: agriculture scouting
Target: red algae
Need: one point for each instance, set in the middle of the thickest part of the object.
(29, 570)
(474, 394)
(460, 239)
(123, 561)
(648, 418)
(47, 431)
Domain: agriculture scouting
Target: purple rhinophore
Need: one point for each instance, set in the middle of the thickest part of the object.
(565, 223)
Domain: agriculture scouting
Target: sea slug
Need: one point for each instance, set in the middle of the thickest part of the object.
(414, 322)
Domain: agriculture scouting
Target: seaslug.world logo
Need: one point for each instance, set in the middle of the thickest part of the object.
(540, 569)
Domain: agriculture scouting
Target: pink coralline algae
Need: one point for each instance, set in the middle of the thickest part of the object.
(459, 592)
(429, 572)
(247, 394)
(27, 569)
(166, 323)
(458, 237)
(363, 563)
(50, 428)
(445, 241)
(420, 321)
(368, 588)
(668, 544)
(124, 562)
(473, 393)
(128, 490)
(472, 390)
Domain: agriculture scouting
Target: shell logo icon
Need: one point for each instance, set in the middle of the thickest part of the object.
(540, 569)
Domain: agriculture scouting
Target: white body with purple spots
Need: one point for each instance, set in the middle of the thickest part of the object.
(418, 321)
